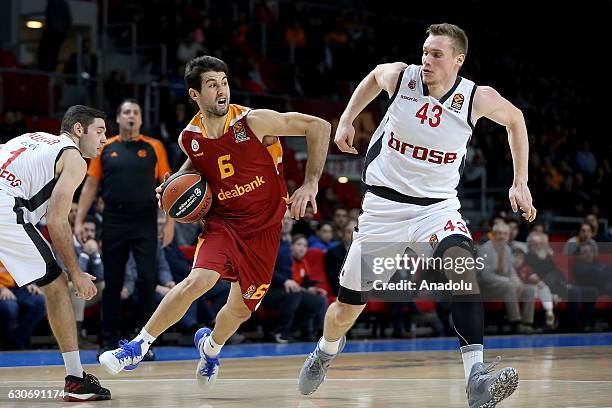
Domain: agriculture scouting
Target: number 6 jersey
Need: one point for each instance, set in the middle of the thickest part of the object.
(420, 145)
(249, 190)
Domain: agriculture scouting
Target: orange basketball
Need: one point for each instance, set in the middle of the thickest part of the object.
(186, 196)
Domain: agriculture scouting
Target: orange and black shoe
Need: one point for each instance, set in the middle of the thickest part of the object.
(87, 388)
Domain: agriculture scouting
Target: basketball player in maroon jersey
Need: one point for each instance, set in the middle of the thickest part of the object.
(237, 151)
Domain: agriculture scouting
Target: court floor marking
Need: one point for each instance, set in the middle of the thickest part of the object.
(143, 380)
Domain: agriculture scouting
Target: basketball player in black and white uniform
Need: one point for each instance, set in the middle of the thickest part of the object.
(39, 173)
(412, 168)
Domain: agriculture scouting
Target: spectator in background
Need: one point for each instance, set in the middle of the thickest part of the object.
(324, 238)
(58, 21)
(334, 258)
(581, 300)
(340, 220)
(311, 310)
(599, 235)
(90, 261)
(127, 171)
(498, 280)
(585, 236)
(498, 218)
(528, 277)
(284, 294)
(585, 159)
(591, 273)
(20, 311)
(514, 235)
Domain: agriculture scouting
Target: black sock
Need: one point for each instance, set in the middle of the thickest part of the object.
(468, 318)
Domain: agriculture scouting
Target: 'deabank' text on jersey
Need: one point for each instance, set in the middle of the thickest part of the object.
(420, 145)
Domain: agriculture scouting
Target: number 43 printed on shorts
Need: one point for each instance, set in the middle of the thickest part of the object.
(458, 225)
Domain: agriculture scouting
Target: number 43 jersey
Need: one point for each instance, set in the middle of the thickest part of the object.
(249, 191)
(419, 148)
(27, 171)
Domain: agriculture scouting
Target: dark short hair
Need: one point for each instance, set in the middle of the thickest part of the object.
(90, 219)
(340, 207)
(82, 114)
(128, 100)
(324, 223)
(199, 65)
(297, 237)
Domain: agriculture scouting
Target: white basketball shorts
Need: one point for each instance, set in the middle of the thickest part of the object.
(24, 252)
(387, 228)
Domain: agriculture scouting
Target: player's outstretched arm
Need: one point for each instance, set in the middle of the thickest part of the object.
(264, 122)
(384, 76)
(71, 168)
(490, 104)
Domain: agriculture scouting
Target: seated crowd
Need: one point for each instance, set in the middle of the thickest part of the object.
(528, 284)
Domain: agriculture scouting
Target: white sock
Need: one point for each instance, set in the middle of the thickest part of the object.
(147, 340)
(211, 348)
(471, 355)
(548, 307)
(329, 347)
(72, 362)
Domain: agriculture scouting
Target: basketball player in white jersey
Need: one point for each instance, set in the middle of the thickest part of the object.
(39, 174)
(412, 168)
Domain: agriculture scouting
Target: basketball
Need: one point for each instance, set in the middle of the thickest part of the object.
(186, 197)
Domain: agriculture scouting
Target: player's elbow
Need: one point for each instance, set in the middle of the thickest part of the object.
(320, 128)
(517, 119)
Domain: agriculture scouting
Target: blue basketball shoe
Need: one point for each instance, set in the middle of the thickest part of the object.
(126, 357)
(208, 367)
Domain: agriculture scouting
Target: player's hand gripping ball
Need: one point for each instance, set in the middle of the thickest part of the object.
(186, 197)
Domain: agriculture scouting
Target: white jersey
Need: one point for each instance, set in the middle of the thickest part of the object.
(27, 172)
(420, 145)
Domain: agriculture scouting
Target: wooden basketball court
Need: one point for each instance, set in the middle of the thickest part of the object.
(550, 377)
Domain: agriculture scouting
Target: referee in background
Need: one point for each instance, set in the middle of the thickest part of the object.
(127, 172)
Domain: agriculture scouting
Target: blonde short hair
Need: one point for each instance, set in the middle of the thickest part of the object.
(460, 40)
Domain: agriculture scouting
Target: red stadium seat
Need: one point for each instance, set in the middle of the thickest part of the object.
(316, 259)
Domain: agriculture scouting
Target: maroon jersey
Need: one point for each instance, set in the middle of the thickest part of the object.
(245, 176)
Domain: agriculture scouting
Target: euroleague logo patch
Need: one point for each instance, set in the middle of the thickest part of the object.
(412, 84)
(240, 132)
(457, 101)
(142, 153)
(249, 292)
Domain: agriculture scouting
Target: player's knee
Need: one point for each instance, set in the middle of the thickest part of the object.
(459, 262)
(239, 311)
(346, 314)
(58, 285)
(199, 282)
